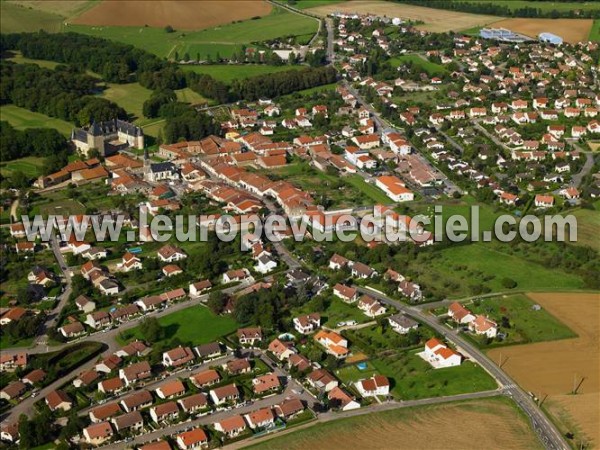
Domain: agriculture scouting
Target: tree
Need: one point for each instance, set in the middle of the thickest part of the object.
(169, 29)
(216, 302)
(152, 330)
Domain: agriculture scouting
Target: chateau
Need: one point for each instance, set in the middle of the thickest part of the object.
(108, 137)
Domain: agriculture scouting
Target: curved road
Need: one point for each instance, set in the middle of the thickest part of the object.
(550, 437)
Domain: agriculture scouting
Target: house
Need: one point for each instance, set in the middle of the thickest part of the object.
(17, 230)
(300, 362)
(289, 408)
(460, 314)
(130, 262)
(161, 171)
(370, 306)
(224, 394)
(262, 418)
(346, 293)
(440, 356)
(339, 398)
(170, 253)
(238, 366)
(205, 378)
(282, 350)
(410, 290)
(209, 351)
(137, 400)
(13, 390)
(374, 386)
(265, 264)
(483, 325)
(544, 201)
(85, 378)
(132, 421)
(308, 323)
(26, 246)
(366, 141)
(334, 344)
(232, 426)
(178, 356)
(192, 439)
(13, 315)
(58, 400)
(171, 270)
(193, 403)
(249, 336)
(338, 262)
(265, 383)
(10, 362)
(197, 289)
(235, 275)
(104, 412)
(171, 389)
(157, 445)
(34, 377)
(94, 253)
(164, 411)
(84, 304)
(363, 271)
(570, 193)
(98, 319)
(98, 433)
(108, 364)
(135, 372)
(402, 324)
(322, 380)
(111, 386)
(135, 348)
(72, 330)
(394, 188)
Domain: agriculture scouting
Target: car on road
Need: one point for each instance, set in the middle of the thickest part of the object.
(341, 324)
(351, 323)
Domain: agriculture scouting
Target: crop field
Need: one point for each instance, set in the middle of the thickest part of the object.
(543, 5)
(130, 97)
(187, 15)
(555, 368)
(420, 63)
(588, 224)
(492, 423)
(22, 118)
(230, 72)
(50, 15)
(595, 31)
(29, 165)
(571, 30)
(224, 39)
(305, 4)
(196, 325)
(436, 20)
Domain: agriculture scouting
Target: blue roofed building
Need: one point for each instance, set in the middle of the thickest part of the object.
(550, 38)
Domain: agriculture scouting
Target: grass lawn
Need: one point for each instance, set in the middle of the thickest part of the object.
(369, 190)
(310, 91)
(152, 128)
(588, 224)
(230, 72)
(417, 61)
(526, 324)
(14, 19)
(305, 4)
(225, 39)
(65, 207)
(186, 95)
(336, 312)
(20, 59)
(130, 97)
(595, 31)
(22, 118)
(412, 378)
(29, 165)
(544, 6)
(196, 325)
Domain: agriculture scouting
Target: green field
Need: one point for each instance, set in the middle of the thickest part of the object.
(417, 61)
(224, 40)
(229, 72)
(195, 325)
(186, 95)
(526, 324)
(305, 4)
(29, 165)
(130, 97)
(588, 224)
(595, 31)
(369, 190)
(22, 118)
(20, 16)
(20, 59)
(412, 378)
(337, 311)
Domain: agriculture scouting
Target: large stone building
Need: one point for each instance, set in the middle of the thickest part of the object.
(107, 137)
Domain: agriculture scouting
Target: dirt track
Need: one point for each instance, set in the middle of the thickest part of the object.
(185, 15)
(553, 368)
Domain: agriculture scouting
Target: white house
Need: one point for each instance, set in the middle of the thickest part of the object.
(394, 188)
(374, 386)
(440, 356)
(402, 324)
(484, 326)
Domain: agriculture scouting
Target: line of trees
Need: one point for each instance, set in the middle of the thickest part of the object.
(492, 8)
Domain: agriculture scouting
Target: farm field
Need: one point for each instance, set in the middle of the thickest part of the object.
(130, 97)
(493, 423)
(196, 325)
(29, 165)
(417, 61)
(48, 15)
(544, 6)
(230, 72)
(188, 15)
(225, 39)
(305, 4)
(22, 118)
(436, 20)
(588, 224)
(552, 368)
(186, 95)
(526, 324)
(20, 59)
(571, 30)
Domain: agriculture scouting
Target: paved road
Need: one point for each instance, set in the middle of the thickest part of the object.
(585, 170)
(545, 429)
(493, 138)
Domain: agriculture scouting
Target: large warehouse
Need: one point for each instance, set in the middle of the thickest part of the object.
(550, 38)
